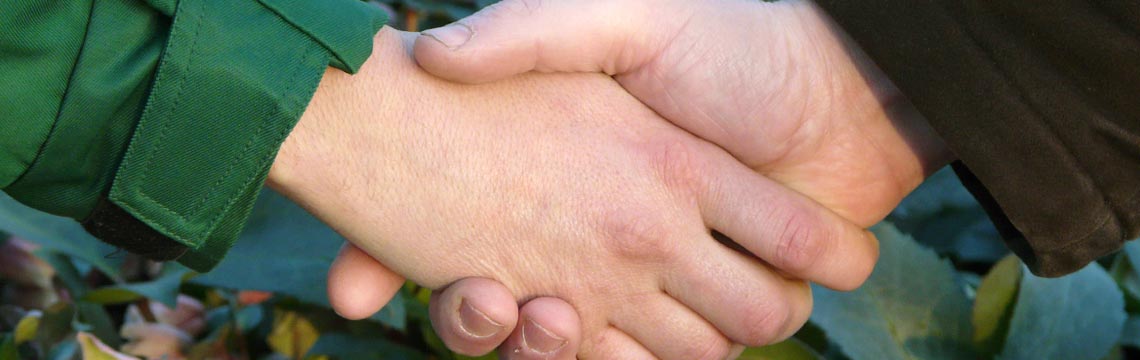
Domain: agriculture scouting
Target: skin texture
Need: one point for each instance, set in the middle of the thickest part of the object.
(775, 84)
(561, 186)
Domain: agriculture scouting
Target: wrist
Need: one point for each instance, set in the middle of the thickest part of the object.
(345, 110)
(906, 141)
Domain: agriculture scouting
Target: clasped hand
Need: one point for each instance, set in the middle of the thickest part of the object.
(591, 200)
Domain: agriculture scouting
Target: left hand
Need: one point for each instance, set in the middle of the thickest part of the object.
(775, 84)
(389, 200)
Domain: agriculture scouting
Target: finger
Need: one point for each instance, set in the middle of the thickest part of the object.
(518, 36)
(671, 330)
(753, 305)
(788, 230)
(614, 344)
(473, 316)
(548, 328)
(358, 285)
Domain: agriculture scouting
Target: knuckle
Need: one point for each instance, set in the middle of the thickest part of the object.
(764, 324)
(638, 235)
(713, 347)
(802, 241)
(679, 167)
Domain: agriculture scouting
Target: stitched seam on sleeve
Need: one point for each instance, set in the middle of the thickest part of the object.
(1025, 101)
(1066, 248)
(308, 33)
(248, 181)
(295, 102)
(158, 142)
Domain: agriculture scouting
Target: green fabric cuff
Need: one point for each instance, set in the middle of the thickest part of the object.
(233, 81)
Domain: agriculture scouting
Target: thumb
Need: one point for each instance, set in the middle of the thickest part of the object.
(518, 36)
(358, 285)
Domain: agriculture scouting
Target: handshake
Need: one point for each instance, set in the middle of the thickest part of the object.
(581, 212)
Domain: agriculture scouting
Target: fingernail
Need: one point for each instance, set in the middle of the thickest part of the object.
(538, 339)
(452, 36)
(475, 322)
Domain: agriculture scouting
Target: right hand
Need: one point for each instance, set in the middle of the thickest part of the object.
(592, 199)
(776, 84)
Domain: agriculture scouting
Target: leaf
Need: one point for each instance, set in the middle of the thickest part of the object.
(1127, 279)
(1079, 316)
(95, 317)
(790, 349)
(938, 193)
(484, 3)
(58, 234)
(488, 356)
(345, 346)
(1132, 249)
(163, 289)
(1126, 272)
(246, 318)
(909, 308)
(943, 215)
(98, 322)
(55, 325)
(292, 335)
(993, 307)
(285, 250)
(93, 349)
(64, 351)
(1116, 353)
(8, 349)
(1131, 334)
(27, 328)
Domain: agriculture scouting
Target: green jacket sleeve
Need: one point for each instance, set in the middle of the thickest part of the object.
(155, 122)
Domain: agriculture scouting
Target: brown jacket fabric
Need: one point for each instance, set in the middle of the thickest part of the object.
(1040, 101)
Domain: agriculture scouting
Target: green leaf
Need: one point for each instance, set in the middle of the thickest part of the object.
(1079, 316)
(58, 234)
(993, 308)
(1116, 353)
(27, 328)
(55, 325)
(910, 308)
(489, 356)
(484, 3)
(938, 193)
(1126, 271)
(1132, 249)
(63, 351)
(287, 251)
(163, 289)
(95, 318)
(8, 349)
(1131, 334)
(345, 346)
(790, 349)
(1127, 279)
(943, 215)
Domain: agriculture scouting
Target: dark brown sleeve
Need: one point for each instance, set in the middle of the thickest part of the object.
(1039, 99)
